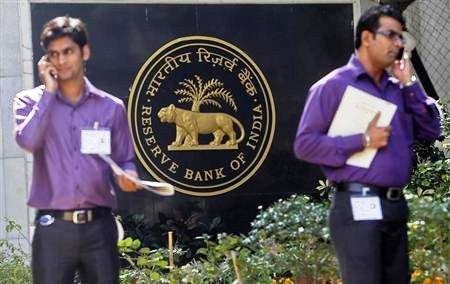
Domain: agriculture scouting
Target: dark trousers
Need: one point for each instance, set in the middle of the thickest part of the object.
(370, 252)
(62, 248)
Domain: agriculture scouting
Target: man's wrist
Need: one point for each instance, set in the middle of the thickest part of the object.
(366, 140)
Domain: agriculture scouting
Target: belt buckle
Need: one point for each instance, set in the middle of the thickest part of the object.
(80, 216)
(393, 193)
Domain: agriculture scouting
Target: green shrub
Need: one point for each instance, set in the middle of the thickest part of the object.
(431, 179)
(429, 237)
(186, 224)
(431, 176)
(14, 266)
(144, 265)
(292, 238)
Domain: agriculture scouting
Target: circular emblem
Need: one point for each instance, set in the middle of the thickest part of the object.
(46, 220)
(202, 115)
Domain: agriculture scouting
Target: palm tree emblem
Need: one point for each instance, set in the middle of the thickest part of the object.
(199, 93)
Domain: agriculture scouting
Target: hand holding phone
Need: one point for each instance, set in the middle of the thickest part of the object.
(402, 69)
(48, 74)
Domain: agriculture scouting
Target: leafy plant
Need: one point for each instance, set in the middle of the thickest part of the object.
(136, 226)
(431, 176)
(292, 237)
(431, 179)
(445, 119)
(187, 224)
(325, 188)
(290, 240)
(14, 266)
(144, 265)
(216, 260)
(427, 152)
(445, 123)
(429, 238)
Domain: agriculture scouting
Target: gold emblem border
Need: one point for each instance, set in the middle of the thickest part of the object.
(269, 99)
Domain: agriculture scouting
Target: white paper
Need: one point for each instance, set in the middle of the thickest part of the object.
(96, 141)
(120, 230)
(366, 208)
(356, 110)
(160, 188)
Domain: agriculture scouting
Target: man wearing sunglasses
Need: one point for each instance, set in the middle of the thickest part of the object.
(368, 216)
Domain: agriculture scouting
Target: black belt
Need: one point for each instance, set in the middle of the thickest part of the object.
(77, 216)
(390, 193)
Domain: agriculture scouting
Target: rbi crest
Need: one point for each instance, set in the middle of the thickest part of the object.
(202, 115)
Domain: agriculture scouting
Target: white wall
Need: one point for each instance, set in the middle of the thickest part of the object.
(13, 161)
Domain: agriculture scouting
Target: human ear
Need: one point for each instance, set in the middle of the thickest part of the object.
(86, 52)
(366, 38)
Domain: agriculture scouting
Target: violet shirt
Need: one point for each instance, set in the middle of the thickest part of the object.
(50, 127)
(416, 117)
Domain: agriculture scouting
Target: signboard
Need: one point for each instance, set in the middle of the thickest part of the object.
(202, 115)
(214, 93)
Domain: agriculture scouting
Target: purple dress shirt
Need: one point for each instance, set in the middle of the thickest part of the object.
(50, 127)
(416, 117)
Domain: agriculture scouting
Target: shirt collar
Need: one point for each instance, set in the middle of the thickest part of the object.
(355, 66)
(89, 89)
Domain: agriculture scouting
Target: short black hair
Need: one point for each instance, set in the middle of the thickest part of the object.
(61, 27)
(369, 20)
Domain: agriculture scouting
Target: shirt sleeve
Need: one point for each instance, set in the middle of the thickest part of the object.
(122, 143)
(311, 142)
(426, 119)
(31, 118)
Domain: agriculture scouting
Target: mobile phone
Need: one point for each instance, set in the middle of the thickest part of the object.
(400, 54)
(55, 76)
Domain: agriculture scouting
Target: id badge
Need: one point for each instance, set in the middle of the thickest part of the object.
(366, 208)
(96, 141)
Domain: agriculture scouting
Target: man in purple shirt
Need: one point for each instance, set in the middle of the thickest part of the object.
(369, 213)
(71, 187)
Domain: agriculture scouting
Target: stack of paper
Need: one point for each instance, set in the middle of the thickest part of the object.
(356, 110)
(160, 188)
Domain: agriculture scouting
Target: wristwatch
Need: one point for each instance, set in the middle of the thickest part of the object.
(411, 81)
(366, 140)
